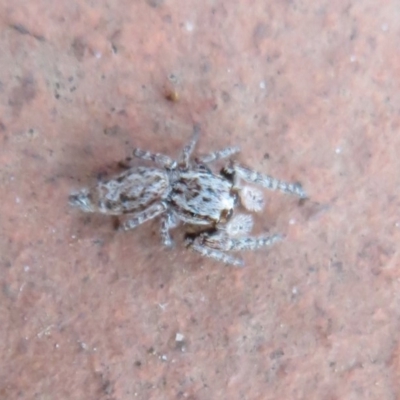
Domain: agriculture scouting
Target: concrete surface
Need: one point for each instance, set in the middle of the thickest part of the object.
(310, 91)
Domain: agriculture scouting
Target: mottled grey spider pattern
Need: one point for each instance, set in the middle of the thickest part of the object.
(187, 191)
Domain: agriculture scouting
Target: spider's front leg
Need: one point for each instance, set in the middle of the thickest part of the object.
(226, 243)
(161, 160)
(218, 155)
(240, 224)
(184, 159)
(216, 244)
(198, 244)
(237, 172)
(244, 243)
(139, 218)
(168, 222)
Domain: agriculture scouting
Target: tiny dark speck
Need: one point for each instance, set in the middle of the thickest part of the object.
(123, 197)
(108, 205)
(260, 33)
(101, 175)
(276, 354)
(78, 48)
(226, 97)
(21, 29)
(23, 94)
(107, 387)
(302, 201)
(112, 130)
(155, 3)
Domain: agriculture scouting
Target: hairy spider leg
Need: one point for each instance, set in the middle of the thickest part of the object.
(218, 155)
(215, 245)
(217, 255)
(168, 222)
(242, 243)
(143, 216)
(188, 149)
(160, 159)
(265, 180)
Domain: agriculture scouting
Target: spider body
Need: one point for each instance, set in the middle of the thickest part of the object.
(187, 191)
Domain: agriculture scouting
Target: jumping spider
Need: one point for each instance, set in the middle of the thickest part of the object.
(187, 191)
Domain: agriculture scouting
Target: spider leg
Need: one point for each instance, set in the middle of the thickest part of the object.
(160, 159)
(188, 149)
(266, 181)
(168, 221)
(218, 155)
(218, 255)
(143, 216)
(244, 243)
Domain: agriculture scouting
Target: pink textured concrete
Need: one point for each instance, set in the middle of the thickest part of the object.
(310, 91)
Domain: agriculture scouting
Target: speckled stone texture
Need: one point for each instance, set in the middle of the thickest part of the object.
(310, 90)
